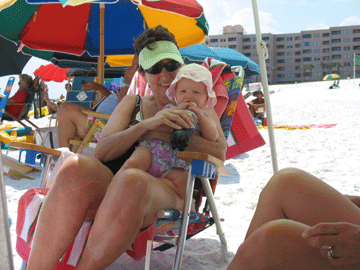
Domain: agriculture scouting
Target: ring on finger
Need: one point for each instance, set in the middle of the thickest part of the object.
(330, 253)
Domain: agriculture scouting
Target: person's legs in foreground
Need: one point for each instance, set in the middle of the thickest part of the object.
(72, 122)
(75, 195)
(292, 201)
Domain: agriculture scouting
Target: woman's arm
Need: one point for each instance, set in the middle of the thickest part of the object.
(89, 85)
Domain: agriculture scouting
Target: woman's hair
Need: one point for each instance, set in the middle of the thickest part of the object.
(152, 35)
(27, 79)
(257, 92)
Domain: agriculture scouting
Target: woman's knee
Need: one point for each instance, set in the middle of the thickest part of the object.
(81, 172)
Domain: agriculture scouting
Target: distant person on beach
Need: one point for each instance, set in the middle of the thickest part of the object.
(257, 105)
(301, 223)
(52, 106)
(25, 86)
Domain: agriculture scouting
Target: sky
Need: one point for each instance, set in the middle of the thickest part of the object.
(276, 17)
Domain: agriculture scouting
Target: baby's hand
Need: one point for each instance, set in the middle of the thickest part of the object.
(199, 112)
(183, 106)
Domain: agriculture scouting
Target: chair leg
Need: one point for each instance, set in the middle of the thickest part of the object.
(180, 243)
(214, 212)
(148, 254)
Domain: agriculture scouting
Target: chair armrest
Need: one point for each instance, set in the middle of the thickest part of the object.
(35, 147)
(190, 156)
(96, 114)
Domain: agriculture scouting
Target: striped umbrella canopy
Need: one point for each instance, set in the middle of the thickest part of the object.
(331, 77)
(59, 32)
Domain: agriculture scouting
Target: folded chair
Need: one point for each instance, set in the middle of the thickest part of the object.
(203, 168)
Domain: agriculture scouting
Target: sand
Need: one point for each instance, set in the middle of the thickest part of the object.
(332, 154)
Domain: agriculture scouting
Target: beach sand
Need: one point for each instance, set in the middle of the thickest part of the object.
(332, 154)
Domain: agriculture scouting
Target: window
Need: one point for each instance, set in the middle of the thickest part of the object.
(336, 56)
(280, 39)
(326, 42)
(266, 38)
(247, 54)
(289, 53)
(247, 47)
(336, 32)
(223, 40)
(290, 68)
(246, 39)
(338, 40)
(290, 75)
(326, 58)
(254, 47)
(307, 59)
(326, 50)
(280, 46)
(346, 39)
(326, 34)
(297, 75)
(316, 58)
(289, 46)
(356, 39)
(317, 51)
(280, 61)
(267, 61)
(281, 75)
(298, 53)
(307, 74)
(356, 48)
(267, 46)
(316, 35)
(346, 32)
(297, 45)
(232, 39)
(289, 60)
(297, 67)
(280, 53)
(232, 46)
(213, 40)
(281, 68)
(356, 31)
(336, 49)
(297, 60)
(306, 36)
(306, 51)
(305, 44)
(297, 38)
(254, 54)
(289, 38)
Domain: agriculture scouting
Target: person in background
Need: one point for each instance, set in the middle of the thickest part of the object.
(301, 222)
(52, 106)
(73, 122)
(257, 105)
(25, 86)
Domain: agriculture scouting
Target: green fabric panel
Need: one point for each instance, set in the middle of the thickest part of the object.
(14, 18)
(46, 55)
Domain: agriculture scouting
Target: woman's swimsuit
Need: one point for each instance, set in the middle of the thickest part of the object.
(137, 116)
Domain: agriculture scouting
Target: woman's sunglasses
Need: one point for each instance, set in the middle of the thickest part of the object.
(169, 66)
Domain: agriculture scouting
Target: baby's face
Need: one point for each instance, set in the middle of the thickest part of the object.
(189, 91)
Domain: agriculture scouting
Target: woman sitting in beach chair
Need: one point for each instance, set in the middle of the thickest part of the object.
(257, 106)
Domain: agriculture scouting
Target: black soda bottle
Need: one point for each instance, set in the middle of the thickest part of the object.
(180, 138)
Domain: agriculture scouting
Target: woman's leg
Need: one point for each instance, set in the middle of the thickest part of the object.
(279, 245)
(140, 159)
(78, 189)
(131, 203)
(72, 122)
(297, 195)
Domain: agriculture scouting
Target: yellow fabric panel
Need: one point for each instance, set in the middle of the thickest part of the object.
(120, 60)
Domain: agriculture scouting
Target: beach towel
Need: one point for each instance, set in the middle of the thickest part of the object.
(304, 127)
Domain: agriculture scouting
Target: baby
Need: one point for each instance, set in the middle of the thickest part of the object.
(190, 90)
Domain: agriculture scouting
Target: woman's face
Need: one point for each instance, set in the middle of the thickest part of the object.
(189, 91)
(23, 85)
(160, 82)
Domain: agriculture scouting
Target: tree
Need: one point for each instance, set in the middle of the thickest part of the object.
(305, 67)
(273, 71)
(323, 66)
(338, 65)
(311, 66)
(330, 66)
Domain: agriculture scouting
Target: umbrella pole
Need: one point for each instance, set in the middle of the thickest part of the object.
(263, 54)
(6, 261)
(101, 57)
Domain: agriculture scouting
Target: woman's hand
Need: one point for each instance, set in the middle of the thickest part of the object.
(168, 117)
(344, 238)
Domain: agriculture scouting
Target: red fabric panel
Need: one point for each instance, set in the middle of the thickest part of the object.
(19, 97)
(55, 28)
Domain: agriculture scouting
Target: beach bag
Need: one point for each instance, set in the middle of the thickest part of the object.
(47, 137)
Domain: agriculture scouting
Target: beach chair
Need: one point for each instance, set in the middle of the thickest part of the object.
(170, 223)
(25, 108)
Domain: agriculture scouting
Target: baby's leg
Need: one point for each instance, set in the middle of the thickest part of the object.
(140, 159)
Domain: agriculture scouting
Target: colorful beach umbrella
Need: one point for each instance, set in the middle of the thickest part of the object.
(331, 77)
(197, 53)
(75, 30)
(50, 72)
